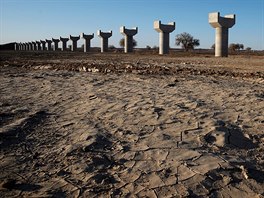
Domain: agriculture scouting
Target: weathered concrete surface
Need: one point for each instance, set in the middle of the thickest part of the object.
(87, 41)
(56, 44)
(164, 35)
(43, 45)
(128, 38)
(74, 40)
(49, 44)
(221, 25)
(64, 43)
(104, 39)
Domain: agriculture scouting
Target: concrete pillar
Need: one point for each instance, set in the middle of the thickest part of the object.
(64, 43)
(23, 46)
(16, 46)
(74, 40)
(87, 41)
(34, 46)
(43, 43)
(128, 34)
(104, 39)
(49, 44)
(221, 25)
(27, 46)
(164, 35)
(56, 43)
(38, 45)
(30, 46)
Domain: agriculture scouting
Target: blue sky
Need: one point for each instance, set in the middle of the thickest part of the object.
(29, 20)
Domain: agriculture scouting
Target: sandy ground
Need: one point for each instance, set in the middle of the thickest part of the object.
(197, 132)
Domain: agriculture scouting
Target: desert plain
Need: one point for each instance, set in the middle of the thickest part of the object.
(137, 125)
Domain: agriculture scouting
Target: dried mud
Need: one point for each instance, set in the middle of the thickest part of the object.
(134, 126)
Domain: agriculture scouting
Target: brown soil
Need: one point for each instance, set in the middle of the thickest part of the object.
(138, 125)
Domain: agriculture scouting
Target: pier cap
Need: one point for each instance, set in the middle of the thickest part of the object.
(170, 27)
(216, 20)
(129, 32)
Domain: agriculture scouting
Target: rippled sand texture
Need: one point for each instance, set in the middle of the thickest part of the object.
(80, 134)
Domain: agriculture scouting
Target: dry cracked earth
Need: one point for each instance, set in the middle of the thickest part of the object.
(88, 134)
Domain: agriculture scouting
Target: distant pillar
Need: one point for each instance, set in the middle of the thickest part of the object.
(16, 47)
(30, 46)
(221, 25)
(23, 46)
(34, 46)
(104, 39)
(56, 43)
(43, 43)
(38, 45)
(64, 43)
(19, 46)
(128, 34)
(87, 41)
(74, 40)
(49, 44)
(27, 46)
(164, 34)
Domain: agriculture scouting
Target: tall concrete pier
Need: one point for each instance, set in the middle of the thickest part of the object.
(164, 35)
(19, 46)
(87, 41)
(38, 45)
(128, 34)
(27, 47)
(24, 46)
(64, 43)
(104, 39)
(56, 44)
(49, 44)
(30, 46)
(74, 40)
(221, 25)
(43, 43)
(34, 46)
(16, 47)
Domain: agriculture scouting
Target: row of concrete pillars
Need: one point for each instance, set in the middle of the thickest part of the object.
(221, 24)
(47, 44)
